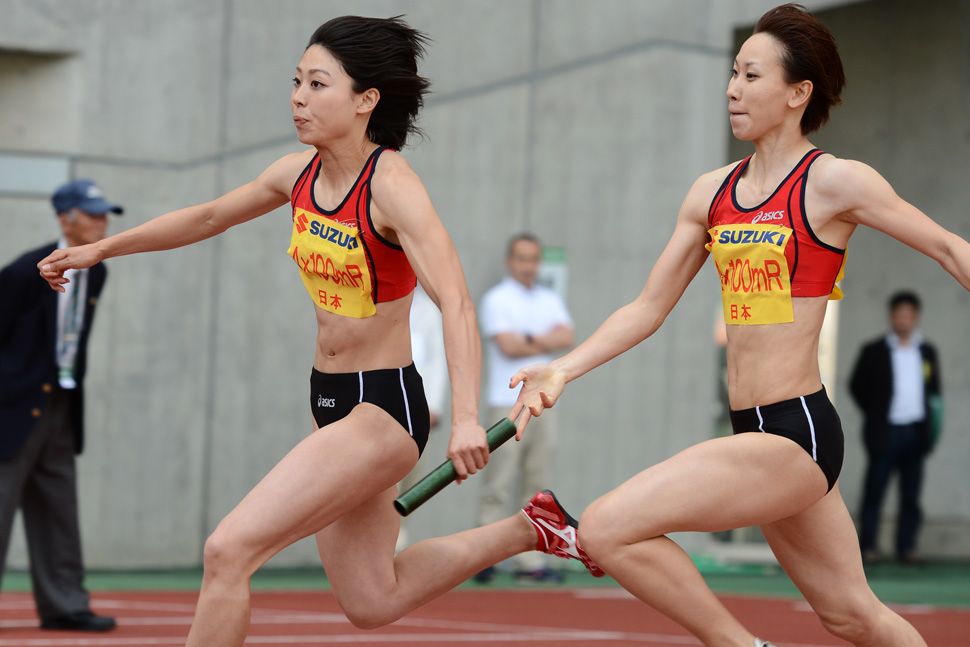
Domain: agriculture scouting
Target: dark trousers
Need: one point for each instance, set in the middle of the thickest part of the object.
(903, 454)
(41, 481)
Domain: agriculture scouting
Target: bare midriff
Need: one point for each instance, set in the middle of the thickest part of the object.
(775, 362)
(348, 344)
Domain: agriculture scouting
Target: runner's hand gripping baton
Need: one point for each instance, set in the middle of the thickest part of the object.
(445, 473)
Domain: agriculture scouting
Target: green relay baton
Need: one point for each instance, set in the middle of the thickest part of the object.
(445, 473)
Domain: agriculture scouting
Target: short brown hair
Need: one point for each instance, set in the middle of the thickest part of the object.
(809, 54)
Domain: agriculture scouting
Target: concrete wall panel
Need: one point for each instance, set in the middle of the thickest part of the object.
(572, 30)
(148, 395)
(27, 223)
(46, 26)
(474, 166)
(489, 45)
(37, 118)
(152, 81)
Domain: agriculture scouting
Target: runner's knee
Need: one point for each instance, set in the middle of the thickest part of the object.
(852, 619)
(602, 533)
(223, 555)
(597, 531)
(369, 615)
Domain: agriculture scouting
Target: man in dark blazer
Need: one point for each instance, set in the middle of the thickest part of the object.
(43, 357)
(896, 383)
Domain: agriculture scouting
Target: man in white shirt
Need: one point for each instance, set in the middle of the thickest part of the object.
(896, 383)
(524, 323)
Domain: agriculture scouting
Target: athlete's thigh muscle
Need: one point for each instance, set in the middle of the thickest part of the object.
(819, 550)
(723, 483)
(329, 473)
(357, 550)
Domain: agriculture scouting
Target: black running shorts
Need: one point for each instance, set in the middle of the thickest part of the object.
(398, 391)
(810, 420)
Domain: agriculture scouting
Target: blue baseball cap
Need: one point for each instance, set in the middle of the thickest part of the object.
(84, 195)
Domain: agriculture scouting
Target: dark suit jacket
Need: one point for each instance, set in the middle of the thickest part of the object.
(872, 389)
(28, 365)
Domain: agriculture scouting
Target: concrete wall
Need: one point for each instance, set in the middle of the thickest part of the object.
(584, 121)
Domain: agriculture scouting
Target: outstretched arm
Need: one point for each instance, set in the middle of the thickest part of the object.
(183, 226)
(402, 203)
(671, 274)
(865, 198)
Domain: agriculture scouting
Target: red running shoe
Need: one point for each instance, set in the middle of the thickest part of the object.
(556, 530)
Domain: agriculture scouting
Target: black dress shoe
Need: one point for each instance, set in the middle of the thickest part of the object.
(79, 621)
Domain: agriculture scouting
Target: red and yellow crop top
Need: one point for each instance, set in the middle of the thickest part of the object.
(769, 254)
(346, 265)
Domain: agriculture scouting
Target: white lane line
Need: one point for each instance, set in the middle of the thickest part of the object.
(16, 605)
(603, 594)
(142, 605)
(163, 621)
(295, 617)
(265, 615)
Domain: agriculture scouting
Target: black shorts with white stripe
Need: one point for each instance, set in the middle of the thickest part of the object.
(398, 391)
(810, 420)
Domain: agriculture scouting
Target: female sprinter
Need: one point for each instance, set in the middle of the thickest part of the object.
(363, 231)
(777, 224)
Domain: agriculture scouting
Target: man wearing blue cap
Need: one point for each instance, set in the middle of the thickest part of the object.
(43, 350)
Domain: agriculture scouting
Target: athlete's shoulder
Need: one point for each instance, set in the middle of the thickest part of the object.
(392, 167)
(298, 160)
(394, 182)
(847, 186)
(833, 176)
(703, 191)
(282, 174)
(713, 180)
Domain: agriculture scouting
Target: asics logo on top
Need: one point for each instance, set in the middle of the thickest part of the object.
(567, 534)
(326, 402)
(765, 216)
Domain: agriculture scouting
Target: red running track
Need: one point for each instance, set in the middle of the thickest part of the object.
(470, 618)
